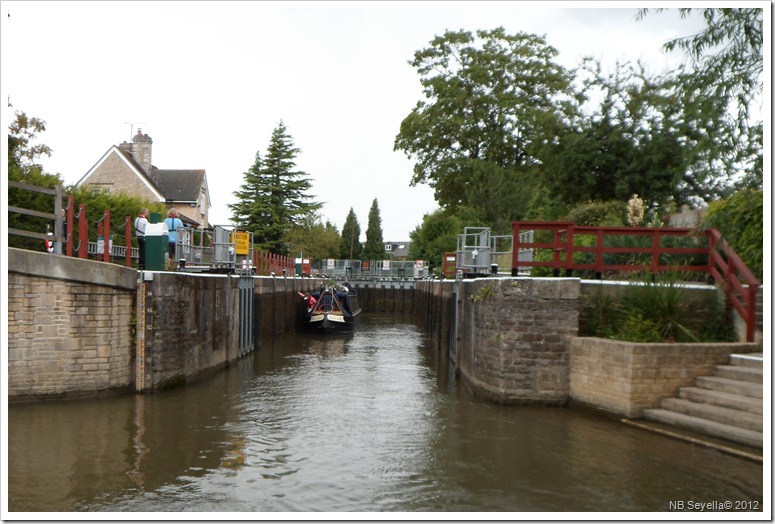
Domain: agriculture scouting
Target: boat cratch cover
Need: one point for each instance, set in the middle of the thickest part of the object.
(335, 310)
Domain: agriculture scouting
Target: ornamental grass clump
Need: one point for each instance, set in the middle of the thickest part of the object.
(663, 303)
(657, 308)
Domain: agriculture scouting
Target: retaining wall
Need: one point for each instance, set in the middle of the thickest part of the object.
(75, 328)
(509, 335)
(624, 378)
(69, 326)
(515, 341)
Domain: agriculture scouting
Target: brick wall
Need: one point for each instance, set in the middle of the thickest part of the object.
(69, 326)
(624, 378)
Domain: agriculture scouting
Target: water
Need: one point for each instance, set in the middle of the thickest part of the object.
(369, 422)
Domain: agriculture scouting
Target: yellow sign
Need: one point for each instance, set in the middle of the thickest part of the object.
(241, 240)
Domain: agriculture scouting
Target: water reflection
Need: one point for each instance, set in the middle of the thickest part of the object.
(371, 421)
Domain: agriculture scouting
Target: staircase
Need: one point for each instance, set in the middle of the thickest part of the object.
(727, 405)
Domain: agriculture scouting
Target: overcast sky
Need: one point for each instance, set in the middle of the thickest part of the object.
(209, 82)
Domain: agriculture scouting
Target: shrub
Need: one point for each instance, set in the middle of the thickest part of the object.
(657, 308)
(740, 219)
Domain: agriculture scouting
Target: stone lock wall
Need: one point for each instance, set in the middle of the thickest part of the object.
(512, 343)
(69, 326)
(624, 378)
(193, 322)
(83, 328)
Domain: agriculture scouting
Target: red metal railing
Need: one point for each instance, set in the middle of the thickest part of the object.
(265, 263)
(606, 249)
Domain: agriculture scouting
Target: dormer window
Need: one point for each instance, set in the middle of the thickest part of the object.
(388, 247)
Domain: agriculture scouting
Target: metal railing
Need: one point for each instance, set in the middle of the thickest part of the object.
(370, 269)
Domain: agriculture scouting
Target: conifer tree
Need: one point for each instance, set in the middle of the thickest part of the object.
(374, 248)
(350, 247)
(274, 197)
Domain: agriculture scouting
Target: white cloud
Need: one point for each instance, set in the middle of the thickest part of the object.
(210, 81)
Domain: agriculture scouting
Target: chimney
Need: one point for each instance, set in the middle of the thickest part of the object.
(141, 150)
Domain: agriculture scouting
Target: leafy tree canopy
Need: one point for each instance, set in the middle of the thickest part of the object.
(739, 219)
(728, 65)
(437, 235)
(727, 54)
(24, 152)
(314, 240)
(492, 102)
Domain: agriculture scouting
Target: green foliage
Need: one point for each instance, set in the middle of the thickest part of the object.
(657, 308)
(609, 213)
(314, 240)
(435, 236)
(484, 293)
(638, 329)
(350, 247)
(727, 74)
(23, 154)
(492, 101)
(740, 219)
(121, 206)
(727, 54)
(663, 303)
(649, 136)
(274, 197)
(374, 248)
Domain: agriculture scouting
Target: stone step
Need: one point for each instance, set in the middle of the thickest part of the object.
(706, 427)
(753, 360)
(722, 399)
(741, 373)
(736, 387)
(732, 417)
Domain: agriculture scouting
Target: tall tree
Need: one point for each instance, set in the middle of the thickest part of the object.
(492, 101)
(374, 248)
(350, 245)
(727, 54)
(274, 197)
(728, 64)
(24, 152)
(438, 234)
(313, 239)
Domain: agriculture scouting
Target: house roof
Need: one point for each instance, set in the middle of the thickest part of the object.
(131, 163)
(171, 185)
(178, 185)
(398, 249)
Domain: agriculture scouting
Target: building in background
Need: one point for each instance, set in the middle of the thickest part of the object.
(397, 250)
(127, 168)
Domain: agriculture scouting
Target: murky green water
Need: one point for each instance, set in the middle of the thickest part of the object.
(369, 422)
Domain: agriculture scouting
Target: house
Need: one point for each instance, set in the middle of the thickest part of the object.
(127, 168)
(397, 250)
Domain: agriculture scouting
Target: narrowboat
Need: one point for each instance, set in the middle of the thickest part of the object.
(335, 310)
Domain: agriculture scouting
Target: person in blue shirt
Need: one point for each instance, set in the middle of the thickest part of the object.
(173, 223)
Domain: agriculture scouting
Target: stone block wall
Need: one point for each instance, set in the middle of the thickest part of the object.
(116, 175)
(624, 378)
(194, 322)
(512, 338)
(69, 326)
(192, 327)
